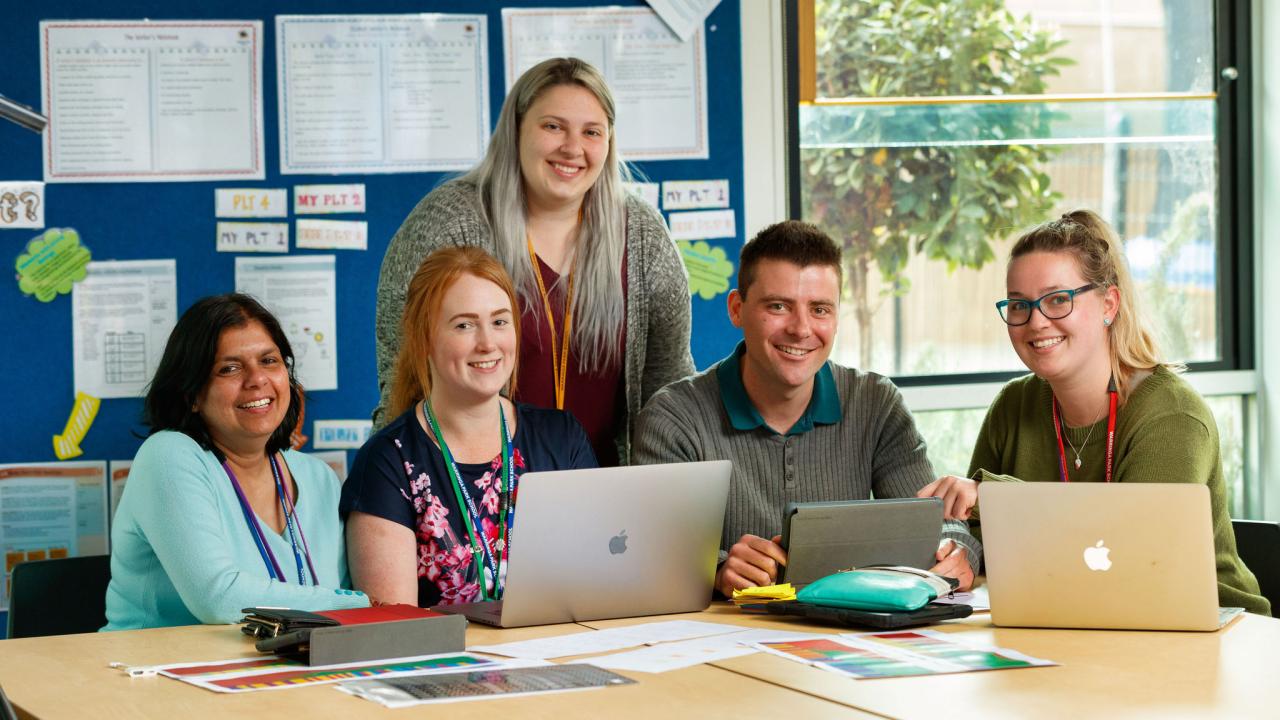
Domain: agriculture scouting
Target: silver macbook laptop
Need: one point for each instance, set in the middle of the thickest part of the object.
(610, 542)
(1096, 555)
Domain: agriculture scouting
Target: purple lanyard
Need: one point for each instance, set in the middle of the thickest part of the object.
(259, 538)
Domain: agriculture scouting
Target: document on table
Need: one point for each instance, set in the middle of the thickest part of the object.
(976, 599)
(606, 640)
(300, 292)
(900, 653)
(274, 673)
(142, 101)
(686, 653)
(382, 93)
(121, 316)
(49, 511)
(481, 685)
(659, 82)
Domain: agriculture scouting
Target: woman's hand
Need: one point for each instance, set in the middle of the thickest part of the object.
(958, 494)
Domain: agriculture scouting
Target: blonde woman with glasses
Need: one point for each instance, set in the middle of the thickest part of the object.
(1100, 405)
(603, 295)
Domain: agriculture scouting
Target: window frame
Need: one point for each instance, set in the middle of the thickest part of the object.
(1234, 144)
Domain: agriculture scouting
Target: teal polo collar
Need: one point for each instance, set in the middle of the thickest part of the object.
(823, 409)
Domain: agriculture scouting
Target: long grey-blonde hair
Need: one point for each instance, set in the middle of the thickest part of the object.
(598, 309)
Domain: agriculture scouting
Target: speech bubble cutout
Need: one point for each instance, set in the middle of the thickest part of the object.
(709, 270)
(53, 262)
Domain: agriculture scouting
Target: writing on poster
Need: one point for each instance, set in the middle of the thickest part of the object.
(695, 194)
(22, 205)
(301, 293)
(702, 225)
(333, 235)
(121, 315)
(251, 202)
(325, 199)
(253, 237)
(341, 434)
(709, 269)
(67, 444)
(53, 263)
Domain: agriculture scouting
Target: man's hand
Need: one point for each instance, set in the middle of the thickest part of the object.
(753, 561)
(958, 494)
(953, 562)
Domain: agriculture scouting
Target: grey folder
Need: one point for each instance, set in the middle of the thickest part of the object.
(825, 537)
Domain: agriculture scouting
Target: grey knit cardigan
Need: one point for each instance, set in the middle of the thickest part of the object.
(658, 312)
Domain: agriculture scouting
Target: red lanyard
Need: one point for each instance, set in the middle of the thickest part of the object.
(1111, 433)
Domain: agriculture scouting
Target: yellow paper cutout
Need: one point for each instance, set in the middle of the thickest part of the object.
(67, 445)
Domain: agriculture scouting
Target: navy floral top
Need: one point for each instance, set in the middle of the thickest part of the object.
(400, 475)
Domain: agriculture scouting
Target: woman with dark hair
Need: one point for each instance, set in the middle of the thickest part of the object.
(219, 514)
(603, 295)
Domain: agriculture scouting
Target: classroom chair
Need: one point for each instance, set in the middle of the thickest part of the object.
(59, 597)
(1258, 544)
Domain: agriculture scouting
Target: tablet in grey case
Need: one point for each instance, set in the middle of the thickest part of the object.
(824, 537)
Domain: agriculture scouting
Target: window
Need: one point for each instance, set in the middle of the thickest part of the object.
(936, 130)
(927, 134)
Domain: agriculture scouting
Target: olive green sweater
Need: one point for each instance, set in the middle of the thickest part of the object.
(1164, 433)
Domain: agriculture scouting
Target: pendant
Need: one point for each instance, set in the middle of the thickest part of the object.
(1077, 463)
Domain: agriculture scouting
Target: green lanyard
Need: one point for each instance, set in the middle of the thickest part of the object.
(471, 514)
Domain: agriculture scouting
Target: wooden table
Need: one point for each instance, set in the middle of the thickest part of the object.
(1112, 674)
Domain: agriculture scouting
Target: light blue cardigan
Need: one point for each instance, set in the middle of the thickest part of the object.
(181, 553)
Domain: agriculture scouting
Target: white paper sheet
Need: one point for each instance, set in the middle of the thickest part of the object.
(605, 640)
(332, 234)
(683, 16)
(250, 202)
(121, 316)
(141, 101)
(51, 510)
(252, 237)
(659, 82)
(687, 653)
(702, 224)
(301, 293)
(695, 194)
(978, 599)
(382, 93)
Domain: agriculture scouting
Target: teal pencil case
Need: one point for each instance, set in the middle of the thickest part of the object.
(880, 588)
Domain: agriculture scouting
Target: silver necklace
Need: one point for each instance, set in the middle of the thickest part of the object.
(1086, 438)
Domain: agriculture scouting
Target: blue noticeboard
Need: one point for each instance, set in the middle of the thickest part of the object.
(134, 221)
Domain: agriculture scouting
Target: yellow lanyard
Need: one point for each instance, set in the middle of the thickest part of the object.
(559, 361)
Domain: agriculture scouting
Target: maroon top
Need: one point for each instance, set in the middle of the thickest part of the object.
(596, 400)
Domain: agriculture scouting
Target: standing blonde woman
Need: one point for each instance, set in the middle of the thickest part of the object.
(603, 296)
(1101, 405)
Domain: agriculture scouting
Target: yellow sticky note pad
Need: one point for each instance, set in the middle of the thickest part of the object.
(67, 445)
(767, 593)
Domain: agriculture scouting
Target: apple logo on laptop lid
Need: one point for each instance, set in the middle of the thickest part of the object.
(1096, 557)
(618, 543)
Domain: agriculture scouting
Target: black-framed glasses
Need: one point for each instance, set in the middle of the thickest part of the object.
(1054, 306)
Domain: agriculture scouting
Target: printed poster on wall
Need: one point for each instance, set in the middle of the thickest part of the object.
(659, 82)
(300, 292)
(50, 511)
(382, 93)
(142, 101)
(121, 316)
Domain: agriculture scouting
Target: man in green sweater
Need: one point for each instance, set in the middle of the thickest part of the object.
(797, 427)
